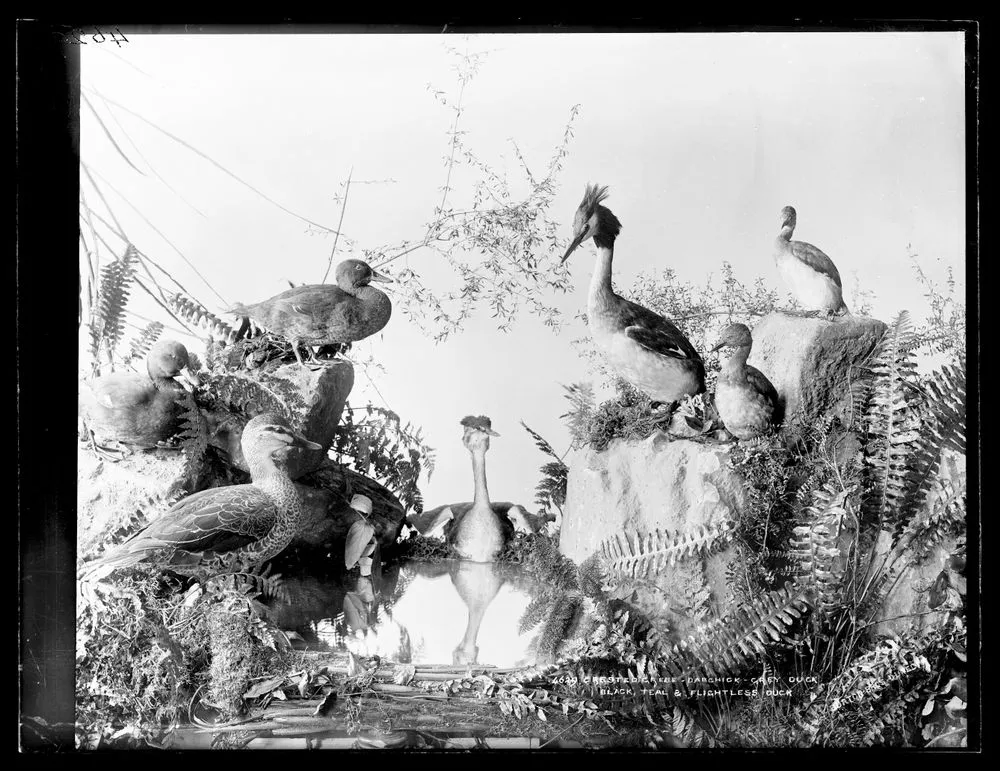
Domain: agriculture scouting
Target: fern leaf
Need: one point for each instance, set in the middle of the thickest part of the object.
(815, 545)
(891, 422)
(643, 555)
(108, 325)
(139, 346)
(199, 316)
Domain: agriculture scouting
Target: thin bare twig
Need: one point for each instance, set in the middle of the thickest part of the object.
(215, 163)
(343, 208)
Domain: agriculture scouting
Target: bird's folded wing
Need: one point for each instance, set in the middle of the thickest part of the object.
(817, 260)
(661, 342)
(759, 382)
(236, 514)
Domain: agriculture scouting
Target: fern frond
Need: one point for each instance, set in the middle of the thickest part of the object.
(944, 515)
(639, 555)
(581, 412)
(199, 316)
(251, 396)
(942, 427)
(108, 325)
(891, 422)
(815, 545)
(140, 345)
(743, 635)
(540, 442)
(193, 436)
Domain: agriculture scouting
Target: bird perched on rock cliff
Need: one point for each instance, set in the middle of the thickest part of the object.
(138, 411)
(252, 522)
(745, 398)
(810, 275)
(325, 314)
(644, 348)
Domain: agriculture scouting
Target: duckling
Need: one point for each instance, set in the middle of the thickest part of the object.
(745, 398)
(810, 275)
(138, 411)
(479, 530)
(252, 522)
(324, 314)
(644, 348)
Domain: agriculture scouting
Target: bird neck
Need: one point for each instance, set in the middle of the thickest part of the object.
(737, 362)
(786, 232)
(600, 282)
(266, 471)
(482, 495)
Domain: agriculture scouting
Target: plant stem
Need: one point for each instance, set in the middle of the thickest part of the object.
(343, 208)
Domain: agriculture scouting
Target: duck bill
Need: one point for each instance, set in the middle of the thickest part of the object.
(381, 278)
(187, 379)
(300, 441)
(572, 248)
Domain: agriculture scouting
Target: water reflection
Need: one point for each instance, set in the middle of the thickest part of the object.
(450, 612)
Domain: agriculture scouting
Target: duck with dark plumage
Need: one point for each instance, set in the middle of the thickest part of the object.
(134, 410)
(251, 522)
(325, 314)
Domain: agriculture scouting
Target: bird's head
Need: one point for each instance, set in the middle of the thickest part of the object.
(593, 220)
(788, 217)
(352, 274)
(478, 430)
(169, 359)
(734, 336)
(269, 435)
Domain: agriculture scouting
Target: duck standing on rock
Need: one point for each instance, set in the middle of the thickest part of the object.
(745, 398)
(134, 410)
(252, 522)
(644, 348)
(325, 314)
(810, 275)
(478, 531)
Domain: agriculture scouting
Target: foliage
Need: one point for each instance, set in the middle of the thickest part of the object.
(626, 416)
(380, 445)
(551, 490)
(943, 332)
(139, 346)
(107, 323)
(143, 652)
(640, 555)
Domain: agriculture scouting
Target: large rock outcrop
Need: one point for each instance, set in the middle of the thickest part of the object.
(809, 360)
(316, 398)
(113, 496)
(680, 487)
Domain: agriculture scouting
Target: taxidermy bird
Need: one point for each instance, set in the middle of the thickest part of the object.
(810, 275)
(479, 530)
(252, 522)
(644, 348)
(325, 314)
(138, 411)
(745, 398)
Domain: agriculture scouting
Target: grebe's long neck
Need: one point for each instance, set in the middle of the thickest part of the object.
(601, 289)
(786, 231)
(482, 495)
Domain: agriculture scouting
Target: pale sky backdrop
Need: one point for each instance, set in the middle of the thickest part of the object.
(702, 139)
